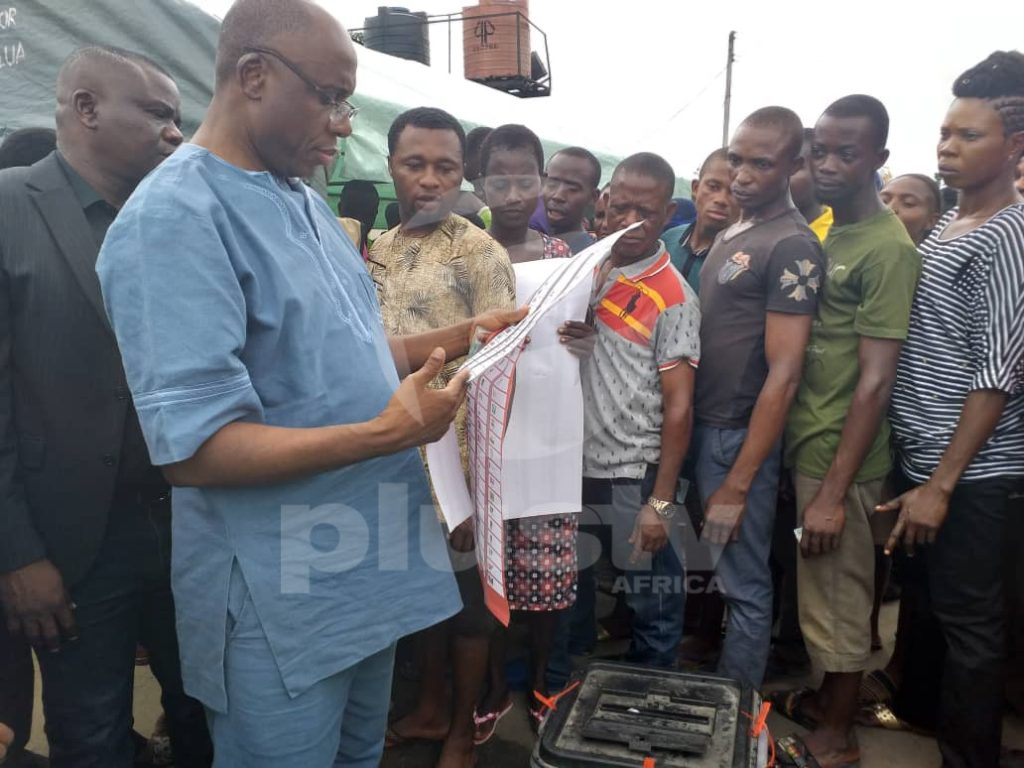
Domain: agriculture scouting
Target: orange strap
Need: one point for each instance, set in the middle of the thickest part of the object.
(552, 701)
(762, 719)
(759, 725)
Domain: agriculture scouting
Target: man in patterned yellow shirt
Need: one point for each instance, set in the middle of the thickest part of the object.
(433, 269)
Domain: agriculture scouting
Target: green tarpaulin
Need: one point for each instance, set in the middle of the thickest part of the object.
(36, 36)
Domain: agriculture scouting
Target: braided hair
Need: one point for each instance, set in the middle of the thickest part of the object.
(1000, 80)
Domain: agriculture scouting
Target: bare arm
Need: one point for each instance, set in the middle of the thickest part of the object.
(982, 410)
(786, 337)
(785, 343)
(676, 426)
(677, 385)
(996, 352)
(244, 454)
(824, 517)
(411, 352)
(923, 509)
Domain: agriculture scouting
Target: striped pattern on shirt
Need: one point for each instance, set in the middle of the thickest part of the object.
(966, 333)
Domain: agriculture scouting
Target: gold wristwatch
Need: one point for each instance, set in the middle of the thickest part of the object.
(666, 509)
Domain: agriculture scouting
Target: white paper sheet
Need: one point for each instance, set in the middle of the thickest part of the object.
(525, 469)
(543, 449)
(569, 274)
(487, 419)
(448, 481)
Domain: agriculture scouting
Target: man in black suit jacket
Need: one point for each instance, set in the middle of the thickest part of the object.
(84, 516)
(20, 149)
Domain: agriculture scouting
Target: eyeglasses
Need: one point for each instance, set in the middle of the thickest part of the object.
(340, 108)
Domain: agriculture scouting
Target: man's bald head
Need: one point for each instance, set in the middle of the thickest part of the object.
(118, 113)
(285, 71)
(91, 65)
(256, 23)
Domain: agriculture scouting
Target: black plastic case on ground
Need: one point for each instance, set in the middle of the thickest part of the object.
(621, 714)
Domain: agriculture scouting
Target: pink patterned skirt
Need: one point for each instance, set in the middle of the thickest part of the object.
(540, 560)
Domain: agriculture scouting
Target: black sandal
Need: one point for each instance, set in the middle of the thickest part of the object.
(790, 703)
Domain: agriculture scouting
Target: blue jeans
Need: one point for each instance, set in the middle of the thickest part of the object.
(742, 566)
(576, 634)
(340, 721)
(653, 587)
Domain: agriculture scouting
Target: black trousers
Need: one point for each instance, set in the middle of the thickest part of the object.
(125, 599)
(17, 687)
(965, 582)
(1015, 605)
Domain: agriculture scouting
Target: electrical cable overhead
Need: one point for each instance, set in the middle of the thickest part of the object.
(696, 96)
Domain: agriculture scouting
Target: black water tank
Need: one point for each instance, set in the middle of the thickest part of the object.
(398, 32)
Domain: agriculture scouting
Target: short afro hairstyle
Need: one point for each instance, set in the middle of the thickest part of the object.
(425, 117)
(359, 200)
(584, 154)
(785, 121)
(511, 136)
(719, 154)
(859, 105)
(928, 183)
(651, 166)
(999, 79)
(476, 137)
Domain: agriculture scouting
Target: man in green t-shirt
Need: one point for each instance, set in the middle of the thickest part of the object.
(837, 435)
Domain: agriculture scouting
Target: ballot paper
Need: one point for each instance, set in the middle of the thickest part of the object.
(524, 419)
(486, 420)
(542, 453)
(448, 481)
(571, 272)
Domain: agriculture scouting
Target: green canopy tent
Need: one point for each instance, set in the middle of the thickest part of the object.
(37, 35)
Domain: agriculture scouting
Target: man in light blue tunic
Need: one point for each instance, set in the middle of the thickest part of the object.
(305, 543)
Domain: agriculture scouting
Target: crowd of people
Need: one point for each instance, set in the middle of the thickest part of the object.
(809, 373)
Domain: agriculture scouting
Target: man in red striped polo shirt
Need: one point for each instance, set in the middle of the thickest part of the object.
(638, 396)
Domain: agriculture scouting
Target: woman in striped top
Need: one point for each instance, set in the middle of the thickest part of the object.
(958, 403)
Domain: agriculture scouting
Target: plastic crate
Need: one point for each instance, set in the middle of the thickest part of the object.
(627, 716)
